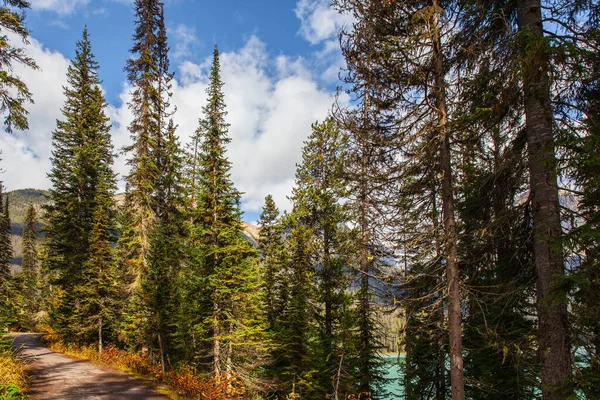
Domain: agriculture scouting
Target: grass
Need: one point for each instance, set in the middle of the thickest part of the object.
(13, 380)
(180, 383)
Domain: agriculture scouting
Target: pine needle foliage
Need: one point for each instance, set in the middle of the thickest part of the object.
(14, 93)
(83, 186)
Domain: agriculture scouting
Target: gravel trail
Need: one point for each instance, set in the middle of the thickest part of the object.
(56, 376)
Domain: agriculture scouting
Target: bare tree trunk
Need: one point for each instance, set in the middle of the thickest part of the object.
(451, 252)
(553, 351)
(100, 334)
(228, 362)
(162, 352)
(365, 337)
(216, 341)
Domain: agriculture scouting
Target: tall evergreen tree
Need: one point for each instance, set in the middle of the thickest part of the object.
(222, 272)
(30, 267)
(81, 178)
(297, 364)
(148, 74)
(150, 246)
(270, 245)
(7, 285)
(317, 200)
(6, 251)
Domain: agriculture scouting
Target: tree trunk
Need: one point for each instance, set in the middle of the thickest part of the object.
(553, 350)
(162, 353)
(454, 314)
(365, 337)
(100, 334)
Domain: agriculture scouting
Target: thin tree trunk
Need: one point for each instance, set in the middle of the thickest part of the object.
(100, 334)
(553, 350)
(454, 314)
(228, 363)
(365, 337)
(162, 353)
(216, 341)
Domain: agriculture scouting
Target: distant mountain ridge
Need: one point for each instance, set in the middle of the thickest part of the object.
(20, 199)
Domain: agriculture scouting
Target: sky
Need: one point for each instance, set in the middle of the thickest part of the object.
(280, 61)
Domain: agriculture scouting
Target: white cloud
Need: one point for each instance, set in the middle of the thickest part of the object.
(320, 24)
(270, 117)
(271, 102)
(58, 6)
(184, 37)
(319, 21)
(25, 155)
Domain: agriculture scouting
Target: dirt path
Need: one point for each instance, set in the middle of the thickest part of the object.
(56, 376)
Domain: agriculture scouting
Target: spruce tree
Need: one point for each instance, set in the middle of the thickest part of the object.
(270, 245)
(8, 306)
(6, 251)
(30, 267)
(317, 203)
(222, 270)
(296, 363)
(98, 299)
(81, 177)
(150, 244)
(148, 74)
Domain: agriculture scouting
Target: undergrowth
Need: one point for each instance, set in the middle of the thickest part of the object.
(13, 380)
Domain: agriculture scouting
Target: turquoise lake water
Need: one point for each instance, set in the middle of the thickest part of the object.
(394, 374)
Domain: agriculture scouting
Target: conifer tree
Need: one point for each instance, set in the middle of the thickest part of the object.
(296, 363)
(30, 267)
(402, 50)
(6, 251)
(81, 177)
(14, 93)
(270, 245)
(150, 246)
(8, 306)
(222, 272)
(98, 299)
(148, 74)
(317, 204)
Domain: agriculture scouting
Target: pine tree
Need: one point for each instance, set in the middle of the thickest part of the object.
(99, 297)
(8, 306)
(270, 245)
(222, 272)
(13, 91)
(6, 252)
(150, 246)
(30, 267)
(296, 364)
(582, 145)
(148, 74)
(317, 204)
(81, 176)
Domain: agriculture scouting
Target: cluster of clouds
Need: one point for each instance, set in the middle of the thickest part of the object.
(271, 103)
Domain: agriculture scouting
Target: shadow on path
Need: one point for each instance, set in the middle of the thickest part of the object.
(56, 376)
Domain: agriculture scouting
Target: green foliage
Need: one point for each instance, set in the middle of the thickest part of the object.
(80, 216)
(222, 279)
(150, 243)
(14, 94)
(11, 391)
(8, 285)
(30, 270)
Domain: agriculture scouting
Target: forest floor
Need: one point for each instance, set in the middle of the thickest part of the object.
(56, 376)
